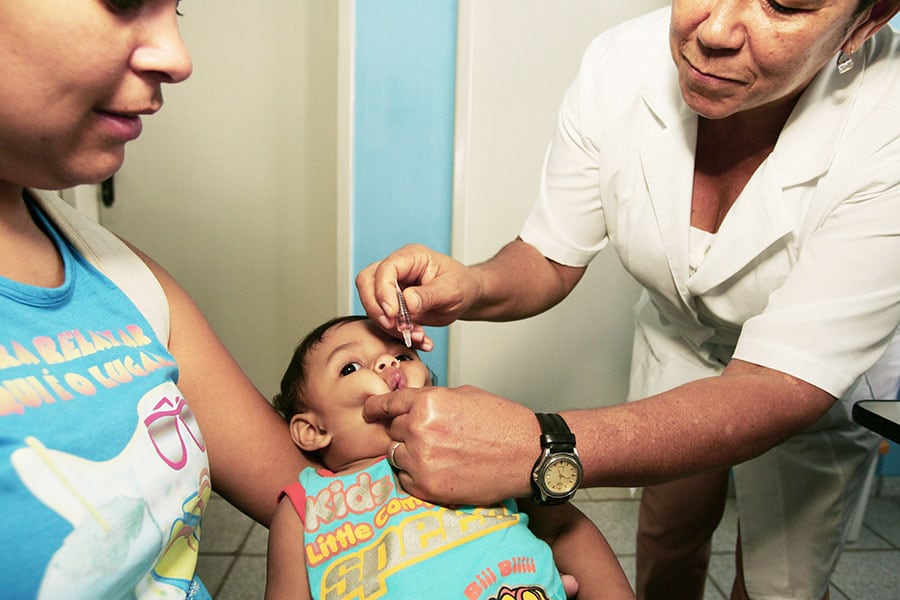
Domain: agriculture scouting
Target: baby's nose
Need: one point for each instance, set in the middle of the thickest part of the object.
(384, 361)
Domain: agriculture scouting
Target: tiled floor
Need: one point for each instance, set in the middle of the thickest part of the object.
(233, 555)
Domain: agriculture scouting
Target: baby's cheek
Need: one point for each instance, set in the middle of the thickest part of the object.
(419, 376)
(376, 436)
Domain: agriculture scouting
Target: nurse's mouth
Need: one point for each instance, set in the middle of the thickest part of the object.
(700, 74)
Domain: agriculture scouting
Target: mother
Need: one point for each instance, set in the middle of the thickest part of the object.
(104, 472)
(746, 173)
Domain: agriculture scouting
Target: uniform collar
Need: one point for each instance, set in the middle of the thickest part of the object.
(810, 138)
(804, 151)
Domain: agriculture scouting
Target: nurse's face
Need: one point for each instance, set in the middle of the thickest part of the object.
(76, 77)
(739, 55)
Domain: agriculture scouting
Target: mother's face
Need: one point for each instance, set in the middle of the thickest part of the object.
(76, 77)
(739, 55)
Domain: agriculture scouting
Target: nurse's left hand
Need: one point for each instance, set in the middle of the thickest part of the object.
(459, 445)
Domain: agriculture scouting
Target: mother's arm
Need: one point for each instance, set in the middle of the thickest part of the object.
(251, 455)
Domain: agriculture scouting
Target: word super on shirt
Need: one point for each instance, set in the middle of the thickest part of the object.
(366, 538)
(103, 471)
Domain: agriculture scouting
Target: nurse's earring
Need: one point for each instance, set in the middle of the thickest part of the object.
(844, 63)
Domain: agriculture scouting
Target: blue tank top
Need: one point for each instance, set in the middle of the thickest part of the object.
(103, 471)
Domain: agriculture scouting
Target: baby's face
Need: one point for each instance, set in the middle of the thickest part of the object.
(352, 362)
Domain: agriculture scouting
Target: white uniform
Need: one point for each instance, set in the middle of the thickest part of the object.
(803, 275)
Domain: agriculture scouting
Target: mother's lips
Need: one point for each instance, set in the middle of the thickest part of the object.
(123, 126)
(116, 113)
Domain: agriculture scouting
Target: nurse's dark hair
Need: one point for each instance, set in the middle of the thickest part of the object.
(863, 5)
(290, 400)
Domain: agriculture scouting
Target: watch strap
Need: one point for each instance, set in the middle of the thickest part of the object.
(556, 440)
(555, 434)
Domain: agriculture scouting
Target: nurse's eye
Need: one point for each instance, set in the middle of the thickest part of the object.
(782, 9)
(350, 368)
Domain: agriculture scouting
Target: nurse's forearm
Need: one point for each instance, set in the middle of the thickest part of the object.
(714, 422)
(519, 282)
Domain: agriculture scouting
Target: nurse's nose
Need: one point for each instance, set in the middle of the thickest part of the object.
(723, 28)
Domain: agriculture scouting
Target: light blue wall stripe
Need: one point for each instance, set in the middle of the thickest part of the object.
(404, 88)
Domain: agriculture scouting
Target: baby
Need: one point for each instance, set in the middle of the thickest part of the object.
(361, 536)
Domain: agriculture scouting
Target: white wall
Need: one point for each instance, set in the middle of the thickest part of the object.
(232, 187)
(516, 59)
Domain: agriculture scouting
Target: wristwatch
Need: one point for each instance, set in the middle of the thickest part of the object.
(557, 473)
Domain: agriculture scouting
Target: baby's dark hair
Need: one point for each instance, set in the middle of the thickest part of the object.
(290, 401)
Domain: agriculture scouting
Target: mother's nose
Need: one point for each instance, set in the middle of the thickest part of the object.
(162, 50)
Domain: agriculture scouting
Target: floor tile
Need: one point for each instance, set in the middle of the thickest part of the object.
(610, 493)
(725, 536)
(869, 575)
(721, 572)
(888, 486)
(869, 539)
(627, 563)
(257, 541)
(711, 592)
(837, 595)
(224, 528)
(246, 581)
(883, 517)
(212, 570)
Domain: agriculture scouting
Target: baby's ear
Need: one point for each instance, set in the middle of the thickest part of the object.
(307, 432)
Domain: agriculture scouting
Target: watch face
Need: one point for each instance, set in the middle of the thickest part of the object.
(561, 477)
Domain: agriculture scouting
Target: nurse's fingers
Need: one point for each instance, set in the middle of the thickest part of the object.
(386, 407)
(376, 282)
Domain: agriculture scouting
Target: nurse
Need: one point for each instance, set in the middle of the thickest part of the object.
(742, 158)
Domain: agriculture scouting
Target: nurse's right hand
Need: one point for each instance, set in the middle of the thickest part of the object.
(438, 289)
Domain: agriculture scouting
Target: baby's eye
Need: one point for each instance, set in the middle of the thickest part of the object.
(403, 357)
(350, 368)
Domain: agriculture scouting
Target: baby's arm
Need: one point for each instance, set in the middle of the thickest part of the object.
(580, 550)
(286, 568)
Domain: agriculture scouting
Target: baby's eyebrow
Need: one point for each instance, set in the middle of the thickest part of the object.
(342, 349)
